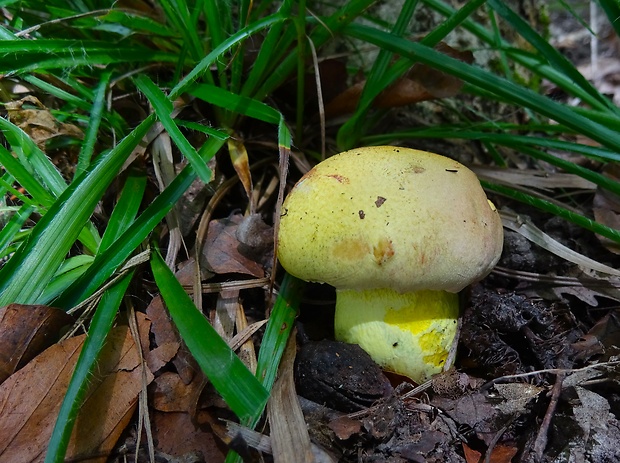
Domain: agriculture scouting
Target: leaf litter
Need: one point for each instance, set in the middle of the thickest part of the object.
(537, 364)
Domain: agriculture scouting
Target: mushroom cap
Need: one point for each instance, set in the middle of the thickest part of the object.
(389, 217)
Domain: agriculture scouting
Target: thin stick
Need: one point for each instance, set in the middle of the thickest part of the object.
(541, 438)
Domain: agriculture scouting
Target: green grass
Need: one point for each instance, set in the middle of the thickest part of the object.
(205, 72)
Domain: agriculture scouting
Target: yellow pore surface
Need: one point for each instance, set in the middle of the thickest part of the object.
(410, 334)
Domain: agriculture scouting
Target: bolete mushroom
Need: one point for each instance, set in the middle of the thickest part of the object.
(398, 232)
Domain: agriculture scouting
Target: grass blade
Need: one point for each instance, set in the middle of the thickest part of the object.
(163, 109)
(126, 208)
(32, 158)
(25, 178)
(498, 86)
(24, 277)
(352, 130)
(92, 128)
(239, 388)
(70, 270)
(107, 262)
(612, 10)
(10, 229)
(555, 209)
(237, 103)
(554, 57)
(201, 68)
(36, 55)
(84, 368)
(281, 322)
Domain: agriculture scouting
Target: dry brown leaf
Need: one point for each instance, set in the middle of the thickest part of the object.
(38, 122)
(601, 339)
(241, 163)
(178, 434)
(31, 398)
(26, 331)
(499, 454)
(222, 249)
(246, 353)
(171, 394)
(345, 427)
(437, 83)
(161, 355)
(223, 318)
(516, 397)
(164, 332)
(421, 83)
(532, 178)
(403, 92)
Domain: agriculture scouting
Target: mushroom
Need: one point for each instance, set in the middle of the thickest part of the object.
(398, 232)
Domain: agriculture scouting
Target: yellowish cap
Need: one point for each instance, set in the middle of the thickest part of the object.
(389, 217)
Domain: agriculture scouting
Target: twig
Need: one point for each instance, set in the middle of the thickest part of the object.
(495, 440)
(555, 371)
(541, 438)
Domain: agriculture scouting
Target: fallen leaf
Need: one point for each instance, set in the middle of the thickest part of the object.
(420, 83)
(436, 82)
(159, 357)
(516, 396)
(30, 400)
(241, 163)
(289, 433)
(345, 427)
(222, 249)
(26, 331)
(474, 410)
(38, 122)
(499, 454)
(179, 434)
(164, 332)
(601, 339)
(170, 394)
(593, 412)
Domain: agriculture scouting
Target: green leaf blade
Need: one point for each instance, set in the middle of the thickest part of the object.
(236, 384)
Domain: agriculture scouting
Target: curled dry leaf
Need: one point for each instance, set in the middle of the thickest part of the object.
(187, 438)
(499, 454)
(224, 253)
(26, 331)
(165, 333)
(345, 427)
(171, 394)
(241, 163)
(38, 122)
(420, 83)
(602, 339)
(31, 398)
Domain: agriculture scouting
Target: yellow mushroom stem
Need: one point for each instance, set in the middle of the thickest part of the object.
(410, 334)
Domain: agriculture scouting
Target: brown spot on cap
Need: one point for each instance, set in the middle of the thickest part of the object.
(362, 214)
(380, 200)
(339, 178)
(383, 251)
(352, 249)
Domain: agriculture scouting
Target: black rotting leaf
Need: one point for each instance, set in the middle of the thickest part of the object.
(506, 333)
